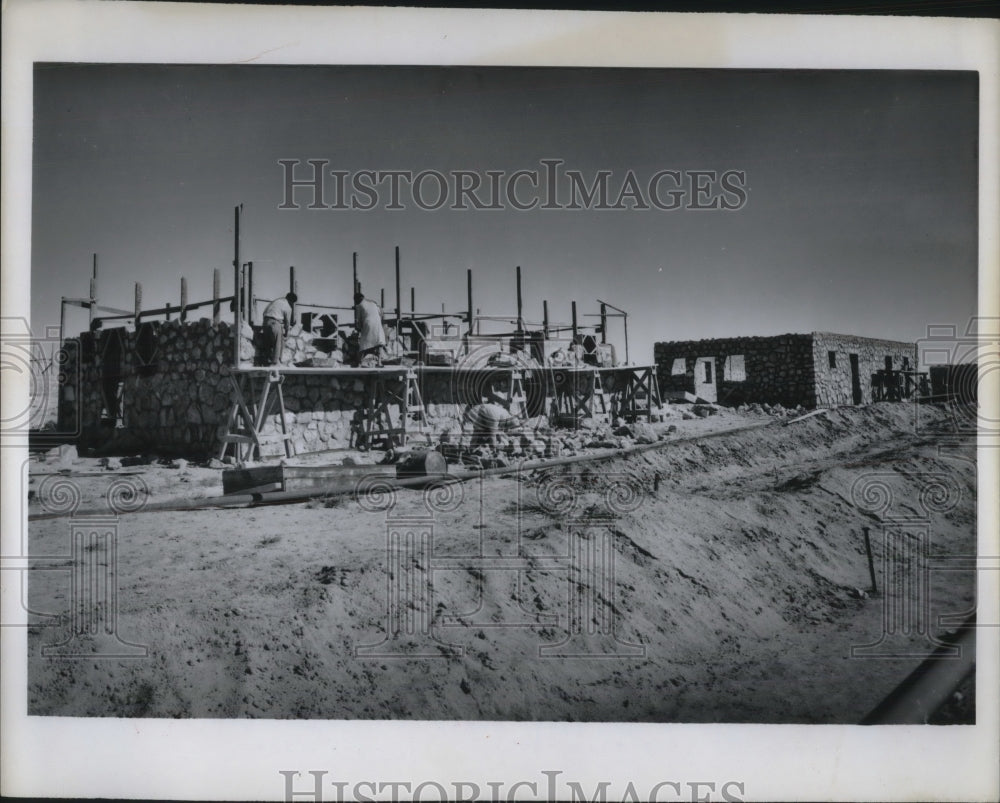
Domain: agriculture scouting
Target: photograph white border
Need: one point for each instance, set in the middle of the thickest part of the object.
(241, 759)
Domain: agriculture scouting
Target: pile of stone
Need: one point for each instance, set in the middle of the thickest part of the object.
(544, 442)
(774, 410)
(299, 347)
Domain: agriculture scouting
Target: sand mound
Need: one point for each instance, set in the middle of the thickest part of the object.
(715, 579)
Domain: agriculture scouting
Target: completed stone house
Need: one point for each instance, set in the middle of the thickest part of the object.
(819, 369)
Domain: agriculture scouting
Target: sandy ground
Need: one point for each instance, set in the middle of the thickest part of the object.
(710, 579)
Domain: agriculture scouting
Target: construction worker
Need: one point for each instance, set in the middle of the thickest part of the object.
(368, 323)
(486, 422)
(278, 318)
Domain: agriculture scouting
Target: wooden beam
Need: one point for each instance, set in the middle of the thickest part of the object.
(84, 303)
(146, 313)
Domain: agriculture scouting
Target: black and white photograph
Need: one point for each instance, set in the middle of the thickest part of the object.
(514, 393)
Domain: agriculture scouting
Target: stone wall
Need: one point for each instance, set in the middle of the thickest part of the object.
(785, 369)
(173, 382)
(778, 370)
(834, 383)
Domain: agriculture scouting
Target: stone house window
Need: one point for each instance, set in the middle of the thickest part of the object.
(679, 367)
(708, 373)
(111, 346)
(734, 369)
(831, 356)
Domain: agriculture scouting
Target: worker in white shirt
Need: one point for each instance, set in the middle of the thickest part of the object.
(368, 323)
(278, 318)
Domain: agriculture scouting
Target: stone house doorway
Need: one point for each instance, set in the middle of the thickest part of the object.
(855, 380)
(704, 379)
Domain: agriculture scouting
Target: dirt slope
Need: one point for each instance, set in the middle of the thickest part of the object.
(732, 592)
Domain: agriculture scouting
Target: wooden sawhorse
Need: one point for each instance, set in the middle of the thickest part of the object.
(244, 423)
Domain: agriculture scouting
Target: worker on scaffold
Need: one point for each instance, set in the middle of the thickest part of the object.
(278, 319)
(371, 334)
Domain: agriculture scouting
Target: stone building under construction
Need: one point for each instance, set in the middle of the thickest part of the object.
(166, 381)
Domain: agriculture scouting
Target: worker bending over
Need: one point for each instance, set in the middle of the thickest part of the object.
(487, 421)
(277, 321)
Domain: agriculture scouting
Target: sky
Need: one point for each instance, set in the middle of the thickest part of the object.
(860, 214)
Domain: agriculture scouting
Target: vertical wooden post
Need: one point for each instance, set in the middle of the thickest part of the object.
(398, 301)
(216, 292)
(138, 302)
(293, 286)
(62, 321)
(237, 313)
(604, 322)
(167, 307)
(251, 302)
(413, 301)
(574, 321)
(357, 285)
(545, 318)
(520, 303)
(243, 292)
(381, 299)
(184, 298)
(93, 299)
(625, 321)
(468, 286)
(93, 293)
